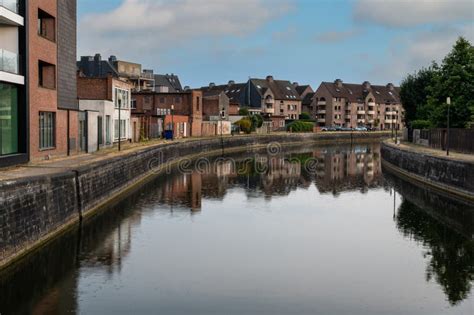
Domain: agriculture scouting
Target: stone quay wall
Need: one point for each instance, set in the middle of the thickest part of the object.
(447, 175)
(35, 209)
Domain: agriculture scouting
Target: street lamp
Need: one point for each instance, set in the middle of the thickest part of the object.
(222, 133)
(448, 101)
(119, 122)
(172, 122)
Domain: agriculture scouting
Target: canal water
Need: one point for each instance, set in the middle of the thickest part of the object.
(313, 230)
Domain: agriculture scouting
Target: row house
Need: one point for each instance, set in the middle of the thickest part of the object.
(306, 94)
(105, 119)
(38, 100)
(351, 105)
(179, 111)
(230, 98)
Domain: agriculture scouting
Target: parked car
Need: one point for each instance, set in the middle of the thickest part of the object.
(361, 128)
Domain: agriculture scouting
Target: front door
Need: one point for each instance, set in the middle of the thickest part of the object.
(100, 140)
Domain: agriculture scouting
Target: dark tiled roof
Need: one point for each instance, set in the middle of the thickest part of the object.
(358, 92)
(169, 80)
(96, 68)
(308, 99)
(301, 88)
(233, 91)
(282, 90)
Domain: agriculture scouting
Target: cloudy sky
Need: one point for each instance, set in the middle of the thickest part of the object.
(307, 41)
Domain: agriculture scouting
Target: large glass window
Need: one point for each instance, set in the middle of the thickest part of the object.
(47, 126)
(122, 98)
(8, 119)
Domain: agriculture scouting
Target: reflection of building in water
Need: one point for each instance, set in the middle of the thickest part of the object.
(183, 189)
(340, 170)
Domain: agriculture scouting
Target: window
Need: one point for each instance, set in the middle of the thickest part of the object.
(121, 98)
(8, 119)
(123, 130)
(46, 75)
(133, 104)
(47, 126)
(46, 25)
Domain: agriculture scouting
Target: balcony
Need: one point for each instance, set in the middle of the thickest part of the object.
(269, 100)
(9, 13)
(321, 111)
(361, 112)
(10, 67)
(269, 110)
(390, 121)
(321, 120)
(322, 103)
(392, 113)
(360, 121)
(371, 104)
(371, 112)
(348, 116)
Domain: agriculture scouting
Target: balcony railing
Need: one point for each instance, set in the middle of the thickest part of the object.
(12, 5)
(361, 112)
(9, 61)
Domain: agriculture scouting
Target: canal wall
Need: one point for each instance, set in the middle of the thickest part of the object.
(35, 209)
(446, 175)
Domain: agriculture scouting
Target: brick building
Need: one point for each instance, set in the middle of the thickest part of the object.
(105, 105)
(235, 93)
(149, 108)
(38, 102)
(351, 105)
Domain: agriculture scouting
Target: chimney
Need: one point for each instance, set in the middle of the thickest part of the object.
(295, 84)
(270, 78)
(112, 58)
(97, 57)
(366, 85)
(390, 86)
(212, 84)
(338, 83)
(186, 88)
(231, 82)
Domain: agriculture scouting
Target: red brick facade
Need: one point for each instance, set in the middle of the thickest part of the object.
(187, 104)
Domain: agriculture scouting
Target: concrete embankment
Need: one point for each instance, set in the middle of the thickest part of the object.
(34, 209)
(449, 175)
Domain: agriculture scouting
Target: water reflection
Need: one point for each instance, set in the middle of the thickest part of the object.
(52, 279)
(445, 228)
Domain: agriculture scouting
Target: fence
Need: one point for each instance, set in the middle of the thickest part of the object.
(460, 140)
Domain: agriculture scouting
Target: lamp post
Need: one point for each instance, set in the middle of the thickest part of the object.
(222, 133)
(448, 101)
(120, 123)
(172, 122)
(396, 128)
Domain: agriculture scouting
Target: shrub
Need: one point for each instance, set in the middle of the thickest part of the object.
(305, 116)
(257, 121)
(420, 124)
(244, 111)
(245, 125)
(300, 126)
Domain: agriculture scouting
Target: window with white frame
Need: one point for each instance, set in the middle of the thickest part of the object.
(122, 98)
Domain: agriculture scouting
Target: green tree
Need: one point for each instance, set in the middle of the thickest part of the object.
(245, 125)
(257, 121)
(244, 111)
(455, 80)
(414, 93)
(305, 116)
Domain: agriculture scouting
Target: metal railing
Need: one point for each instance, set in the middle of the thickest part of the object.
(12, 5)
(9, 61)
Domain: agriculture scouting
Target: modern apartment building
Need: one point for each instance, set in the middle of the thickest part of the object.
(38, 101)
(351, 105)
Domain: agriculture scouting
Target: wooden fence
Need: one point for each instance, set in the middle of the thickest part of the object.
(460, 140)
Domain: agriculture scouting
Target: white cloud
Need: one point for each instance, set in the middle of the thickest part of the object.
(408, 54)
(140, 27)
(405, 13)
(332, 37)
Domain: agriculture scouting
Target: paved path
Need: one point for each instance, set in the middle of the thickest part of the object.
(408, 146)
